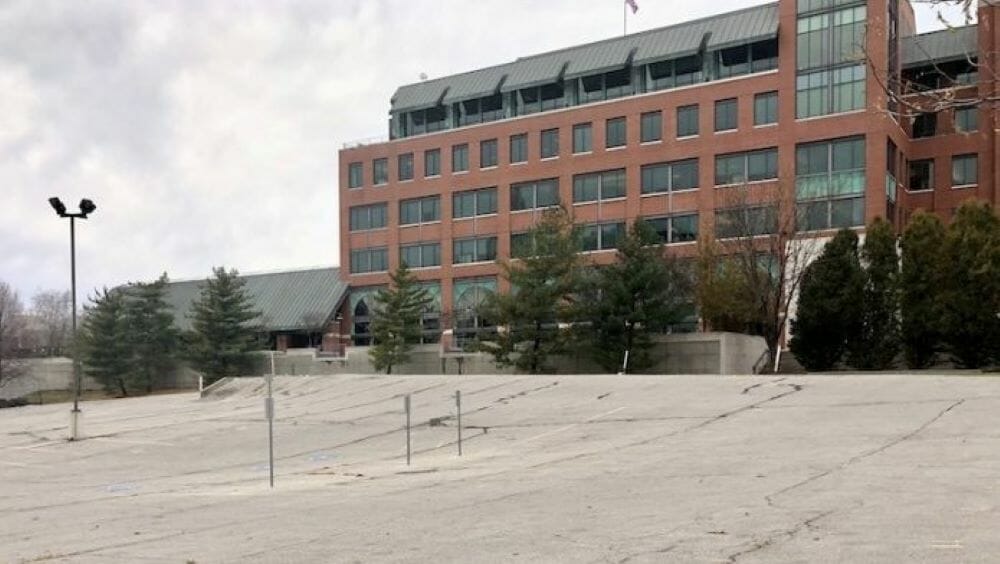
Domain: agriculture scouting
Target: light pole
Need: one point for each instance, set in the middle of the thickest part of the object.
(87, 207)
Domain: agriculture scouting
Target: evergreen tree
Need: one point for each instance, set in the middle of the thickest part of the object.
(629, 301)
(541, 282)
(920, 289)
(876, 346)
(104, 341)
(971, 286)
(395, 324)
(223, 335)
(152, 337)
(829, 307)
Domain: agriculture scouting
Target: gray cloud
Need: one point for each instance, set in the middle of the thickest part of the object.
(207, 132)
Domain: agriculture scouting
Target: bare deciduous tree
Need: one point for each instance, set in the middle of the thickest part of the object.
(758, 255)
(11, 333)
(52, 310)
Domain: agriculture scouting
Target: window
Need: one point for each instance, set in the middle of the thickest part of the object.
(615, 133)
(830, 38)
(830, 47)
(675, 229)
(475, 249)
(726, 114)
(355, 175)
(830, 183)
(541, 98)
(550, 143)
(480, 110)
(582, 138)
(368, 217)
(427, 120)
(522, 245)
(474, 202)
(371, 259)
(460, 157)
(605, 86)
(362, 302)
(765, 108)
(535, 194)
(405, 165)
(922, 175)
(734, 61)
(688, 70)
(964, 170)
(601, 237)
(966, 119)
(743, 59)
(675, 72)
(687, 120)
(488, 153)
(599, 186)
(830, 91)
(432, 162)
(651, 127)
(924, 125)
(746, 222)
(468, 295)
(380, 171)
(668, 177)
(519, 148)
(752, 166)
(420, 255)
(430, 317)
(420, 210)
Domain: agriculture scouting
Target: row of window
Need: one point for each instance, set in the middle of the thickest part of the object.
(593, 237)
(733, 168)
(964, 172)
(830, 48)
(811, 215)
(690, 69)
(965, 120)
(726, 118)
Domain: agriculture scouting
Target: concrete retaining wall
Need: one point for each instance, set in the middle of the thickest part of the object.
(687, 353)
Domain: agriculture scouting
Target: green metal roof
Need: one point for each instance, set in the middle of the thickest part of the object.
(937, 46)
(716, 32)
(288, 301)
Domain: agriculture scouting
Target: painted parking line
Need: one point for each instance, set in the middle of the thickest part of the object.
(131, 441)
(568, 427)
(18, 464)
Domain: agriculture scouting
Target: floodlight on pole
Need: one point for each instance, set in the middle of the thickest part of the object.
(87, 207)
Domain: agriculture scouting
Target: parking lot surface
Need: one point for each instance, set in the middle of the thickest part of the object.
(888, 468)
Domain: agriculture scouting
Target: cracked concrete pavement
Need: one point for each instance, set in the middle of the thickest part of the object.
(633, 469)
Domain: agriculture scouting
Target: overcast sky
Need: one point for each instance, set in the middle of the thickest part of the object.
(207, 131)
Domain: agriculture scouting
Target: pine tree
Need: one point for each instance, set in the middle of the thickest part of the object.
(152, 336)
(541, 282)
(639, 295)
(223, 334)
(104, 341)
(920, 289)
(971, 286)
(395, 324)
(876, 346)
(829, 306)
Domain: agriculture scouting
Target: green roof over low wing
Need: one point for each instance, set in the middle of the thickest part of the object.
(297, 300)
(720, 31)
(937, 46)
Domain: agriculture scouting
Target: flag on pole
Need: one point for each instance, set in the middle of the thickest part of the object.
(632, 4)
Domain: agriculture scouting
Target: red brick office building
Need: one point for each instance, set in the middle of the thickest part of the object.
(826, 96)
